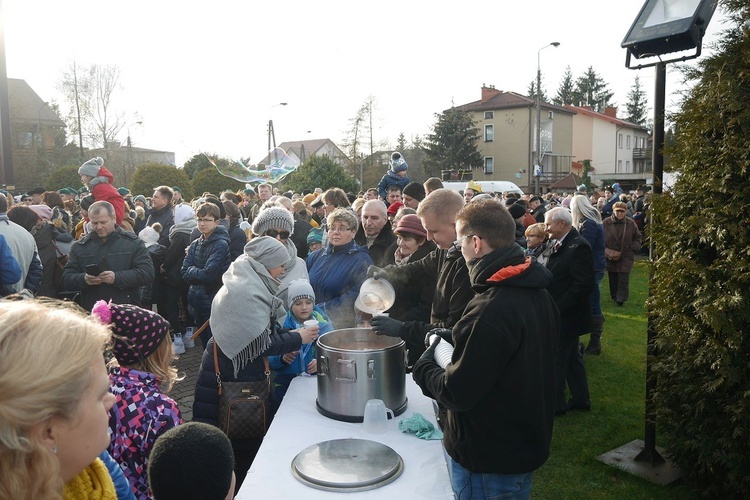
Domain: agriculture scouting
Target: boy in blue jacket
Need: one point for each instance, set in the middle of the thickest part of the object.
(303, 362)
(396, 175)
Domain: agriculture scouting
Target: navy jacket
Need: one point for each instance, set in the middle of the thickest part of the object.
(206, 261)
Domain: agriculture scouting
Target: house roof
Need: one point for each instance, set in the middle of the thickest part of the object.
(570, 181)
(509, 100)
(312, 147)
(611, 119)
(27, 106)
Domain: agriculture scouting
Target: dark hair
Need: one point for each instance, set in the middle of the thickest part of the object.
(52, 199)
(233, 211)
(490, 220)
(213, 199)
(24, 217)
(3, 204)
(231, 196)
(394, 187)
(208, 208)
(165, 191)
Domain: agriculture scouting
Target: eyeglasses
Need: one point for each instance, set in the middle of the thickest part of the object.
(460, 241)
(338, 229)
(284, 235)
(206, 221)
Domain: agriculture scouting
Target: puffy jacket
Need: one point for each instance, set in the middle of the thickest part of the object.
(102, 189)
(206, 260)
(124, 253)
(391, 179)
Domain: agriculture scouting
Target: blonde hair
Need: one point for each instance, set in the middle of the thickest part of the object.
(160, 364)
(536, 230)
(43, 374)
(445, 203)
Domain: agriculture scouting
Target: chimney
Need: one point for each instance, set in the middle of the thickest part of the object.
(489, 92)
(611, 111)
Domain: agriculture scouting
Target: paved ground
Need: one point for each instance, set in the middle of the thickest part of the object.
(184, 391)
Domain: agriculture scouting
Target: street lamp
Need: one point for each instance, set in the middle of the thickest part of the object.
(271, 133)
(538, 164)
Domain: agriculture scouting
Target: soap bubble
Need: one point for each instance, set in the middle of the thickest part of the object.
(279, 166)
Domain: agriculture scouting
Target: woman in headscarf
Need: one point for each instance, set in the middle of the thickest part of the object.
(244, 322)
(277, 222)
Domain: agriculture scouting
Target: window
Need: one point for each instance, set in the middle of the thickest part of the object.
(619, 166)
(489, 165)
(627, 142)
(627, 166)
(489, 133)
(489, 115)
(25, 139)
(619, 141)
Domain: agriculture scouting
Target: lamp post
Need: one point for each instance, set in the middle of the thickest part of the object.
(271, 133)
(538, 163)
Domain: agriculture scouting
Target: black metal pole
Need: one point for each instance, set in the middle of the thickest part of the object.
(5, 142)
(649, 453)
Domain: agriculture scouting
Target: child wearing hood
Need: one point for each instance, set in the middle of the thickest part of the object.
(99, 182)
(304, 361)
(397, 175)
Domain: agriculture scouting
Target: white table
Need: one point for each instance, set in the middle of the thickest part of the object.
(298, 425)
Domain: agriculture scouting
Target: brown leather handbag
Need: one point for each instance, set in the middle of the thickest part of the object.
(244, 407)
(615, 255)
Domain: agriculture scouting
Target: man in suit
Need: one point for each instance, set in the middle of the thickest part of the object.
(572, 266)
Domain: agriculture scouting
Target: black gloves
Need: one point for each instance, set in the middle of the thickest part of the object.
(429, 354)
(383, 325)
(375, 272)
(443, 333)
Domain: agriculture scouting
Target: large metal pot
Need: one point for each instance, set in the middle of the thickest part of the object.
(356, 365)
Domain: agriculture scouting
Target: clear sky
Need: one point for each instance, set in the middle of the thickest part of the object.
(206, 76)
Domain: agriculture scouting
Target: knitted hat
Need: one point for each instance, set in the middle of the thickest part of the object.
(411, 224)
(180, 452)
(273, 218)
(516, 211)
(566, 202)
(268, 251)
(91, 167)
(123, 191)
(398, 164)
(473, 186)
(582, 188)
(43, 211)
(148, 235)
(300, 289)
(87, 201)
(139, 197)
(138, 333)
(393, 207)
(415, 190)
(315, 235)
(309, 198)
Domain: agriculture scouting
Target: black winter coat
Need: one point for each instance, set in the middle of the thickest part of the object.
(383, 240)
(500, 386)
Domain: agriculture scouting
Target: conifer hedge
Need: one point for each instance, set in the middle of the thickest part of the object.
(701, 288)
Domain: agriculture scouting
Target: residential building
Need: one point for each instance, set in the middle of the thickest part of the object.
(507, 126)
(37, 132)
(619, 150)
(301, 150)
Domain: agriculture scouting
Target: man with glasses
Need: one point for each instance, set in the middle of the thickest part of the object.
(500, 387)
(206, 261)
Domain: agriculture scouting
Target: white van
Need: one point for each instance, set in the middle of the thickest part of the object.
(487, 186)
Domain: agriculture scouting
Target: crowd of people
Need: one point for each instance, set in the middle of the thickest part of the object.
(511, 282)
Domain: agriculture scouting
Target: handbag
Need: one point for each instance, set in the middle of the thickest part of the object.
(244, 407)
(61, 261)
(615, 255)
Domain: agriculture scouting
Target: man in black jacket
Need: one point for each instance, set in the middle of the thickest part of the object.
(442, 274)
(375, 231)
(162, 212)
(499, 388)
(572, 265)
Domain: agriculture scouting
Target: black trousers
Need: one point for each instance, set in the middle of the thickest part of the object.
(569, 368)
(619, 286)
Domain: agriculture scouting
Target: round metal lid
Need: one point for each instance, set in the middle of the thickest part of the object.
(347, 465)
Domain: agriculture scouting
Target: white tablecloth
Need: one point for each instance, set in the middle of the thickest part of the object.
(298, 425)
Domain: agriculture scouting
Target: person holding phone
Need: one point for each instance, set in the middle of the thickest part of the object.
(108, 263)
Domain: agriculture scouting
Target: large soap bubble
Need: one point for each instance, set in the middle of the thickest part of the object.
(279, 166)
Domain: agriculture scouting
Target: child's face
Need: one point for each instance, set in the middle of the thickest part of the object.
(314, 245)
(206, 225)
(302, 309)
(402, 173)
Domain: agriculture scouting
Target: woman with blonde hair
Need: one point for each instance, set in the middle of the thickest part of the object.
(538, 243)
(55, 403)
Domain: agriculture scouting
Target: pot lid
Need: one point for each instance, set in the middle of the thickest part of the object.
(347, 465)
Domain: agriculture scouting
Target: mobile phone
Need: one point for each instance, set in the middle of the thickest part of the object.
(93, 269)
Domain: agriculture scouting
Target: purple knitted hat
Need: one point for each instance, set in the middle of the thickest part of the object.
(138, 332)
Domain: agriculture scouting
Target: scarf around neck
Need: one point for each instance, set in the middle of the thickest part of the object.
(92, 483)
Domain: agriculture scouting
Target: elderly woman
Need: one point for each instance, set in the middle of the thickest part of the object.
(338, 269)
(538, 243)
(277, 222)
(54, 410)
(244, 317)
(588, 221)
(620, 235)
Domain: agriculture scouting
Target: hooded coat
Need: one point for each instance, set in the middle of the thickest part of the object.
(102, 189)
(500, 386)
(206, 260)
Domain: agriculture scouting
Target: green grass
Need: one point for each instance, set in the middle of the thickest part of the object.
(617, 382)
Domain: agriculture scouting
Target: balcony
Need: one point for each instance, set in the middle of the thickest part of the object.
(641, 153)
(456, 175)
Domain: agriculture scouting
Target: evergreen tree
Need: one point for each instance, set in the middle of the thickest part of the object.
(532, 91)
(323, 172)
(701, 280)
(565, 90)
(636, 106)
(452, 143)
(591, 90)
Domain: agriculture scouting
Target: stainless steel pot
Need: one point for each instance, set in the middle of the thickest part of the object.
(356, 365)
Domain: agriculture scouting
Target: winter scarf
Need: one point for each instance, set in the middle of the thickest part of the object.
(242, 309)
(92, 483)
